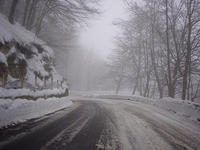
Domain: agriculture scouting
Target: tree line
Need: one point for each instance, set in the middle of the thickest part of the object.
(34, 14)
(158, 52)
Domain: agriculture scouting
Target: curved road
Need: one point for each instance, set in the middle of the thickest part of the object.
(103, 125)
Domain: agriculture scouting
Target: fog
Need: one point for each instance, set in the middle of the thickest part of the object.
(150, 48)
(100, 33)
(86, 65)
(100, 74)
(131, 46)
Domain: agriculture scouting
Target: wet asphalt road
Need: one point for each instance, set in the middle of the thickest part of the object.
(102, 126)
(79, 129)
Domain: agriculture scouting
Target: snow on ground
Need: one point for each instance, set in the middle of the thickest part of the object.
(96, 93)
(27, 92)
(143, 126)
(20, 110)
(185, 108)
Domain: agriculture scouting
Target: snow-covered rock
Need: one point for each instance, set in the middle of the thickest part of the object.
(22, 52)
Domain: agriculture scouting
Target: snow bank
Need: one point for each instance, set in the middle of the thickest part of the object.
(91, 93)
(27, 92)
(185, 108)
(20, 110)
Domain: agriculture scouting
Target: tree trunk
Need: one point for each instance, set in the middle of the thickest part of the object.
(40, 19)
(36, 80)
(153, 57)
(147, 85)
(22, 80)
(51, 82)
(168, 54)
(135, 87)
(12, 11)
(189, 81)
(32, 5)
(39, 24)
(32, 20)
(157, 77)
(153, 90)
(57, 84)
(32, 15)
(26, 12)
(147, 71)
(4, 80)
(61, 84)
(45, 82)
(140, 87)
(188, 53)
(118, 85)
(196, 92)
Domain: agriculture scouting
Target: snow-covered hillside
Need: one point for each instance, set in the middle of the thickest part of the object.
(21, 52)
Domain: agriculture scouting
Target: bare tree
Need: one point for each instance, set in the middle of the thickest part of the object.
(12, 11)
(167, 45)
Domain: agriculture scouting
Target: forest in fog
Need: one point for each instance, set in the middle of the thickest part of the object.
(158, 52)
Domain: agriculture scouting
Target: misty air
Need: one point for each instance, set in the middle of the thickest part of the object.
(99, 75)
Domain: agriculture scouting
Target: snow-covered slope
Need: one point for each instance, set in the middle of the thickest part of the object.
(22, 52)
(20, 110)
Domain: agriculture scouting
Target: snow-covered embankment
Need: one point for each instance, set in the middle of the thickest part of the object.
(186, 109)
(20, 110)
(30, 94)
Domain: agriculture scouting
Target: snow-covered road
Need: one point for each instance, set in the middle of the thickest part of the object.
(109, 125)
(143, 127)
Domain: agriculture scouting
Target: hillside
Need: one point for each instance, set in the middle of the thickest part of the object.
(24, 57)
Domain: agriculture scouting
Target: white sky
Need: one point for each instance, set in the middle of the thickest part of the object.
(100, 33)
